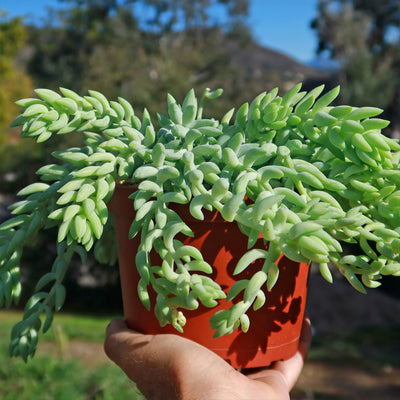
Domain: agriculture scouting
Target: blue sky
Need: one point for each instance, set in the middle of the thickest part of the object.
(282, 25)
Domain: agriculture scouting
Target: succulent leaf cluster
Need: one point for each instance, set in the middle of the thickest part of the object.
(307, 176)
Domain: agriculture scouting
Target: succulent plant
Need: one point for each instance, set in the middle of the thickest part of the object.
(307, 176)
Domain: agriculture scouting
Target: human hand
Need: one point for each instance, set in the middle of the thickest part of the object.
(170, 367)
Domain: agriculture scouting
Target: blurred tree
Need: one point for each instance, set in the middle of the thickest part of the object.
(140, 49)
(170, 15)
(62, 46)
(110, 46)
(14, 84)
(364, 36)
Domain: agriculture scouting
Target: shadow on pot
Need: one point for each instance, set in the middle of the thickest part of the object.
(274, 329)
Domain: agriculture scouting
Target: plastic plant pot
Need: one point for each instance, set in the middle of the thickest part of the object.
(274, 329)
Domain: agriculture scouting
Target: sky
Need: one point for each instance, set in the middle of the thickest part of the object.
(282, 25)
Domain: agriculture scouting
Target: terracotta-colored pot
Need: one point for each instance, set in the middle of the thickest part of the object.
(274, 329)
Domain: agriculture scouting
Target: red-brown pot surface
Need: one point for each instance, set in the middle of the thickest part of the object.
(274, 329)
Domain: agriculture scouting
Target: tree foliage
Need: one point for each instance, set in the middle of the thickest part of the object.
(139, 48)
(14, 83)
(364, 36)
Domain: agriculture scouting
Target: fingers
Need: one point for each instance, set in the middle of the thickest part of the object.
(121, 341)
(141, 358)
(291, 369)
(305, 337)
(173, 366)
(163, 364)
(287, 372)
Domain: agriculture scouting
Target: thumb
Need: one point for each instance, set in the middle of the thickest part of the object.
(137, 354)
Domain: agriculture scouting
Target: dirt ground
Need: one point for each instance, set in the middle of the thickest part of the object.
(321, 380)
(370, 369)
(339, 307)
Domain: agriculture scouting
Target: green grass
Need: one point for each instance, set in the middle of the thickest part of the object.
(81, 326)
(48, 376)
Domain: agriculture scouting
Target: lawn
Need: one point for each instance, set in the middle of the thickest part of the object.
(54, 374)
(70, 364)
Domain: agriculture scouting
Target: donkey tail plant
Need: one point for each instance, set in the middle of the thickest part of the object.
(307, 176)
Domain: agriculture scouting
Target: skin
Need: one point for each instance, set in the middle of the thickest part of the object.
(169, 367)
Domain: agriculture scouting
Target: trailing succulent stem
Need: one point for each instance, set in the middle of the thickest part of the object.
(307, 176)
